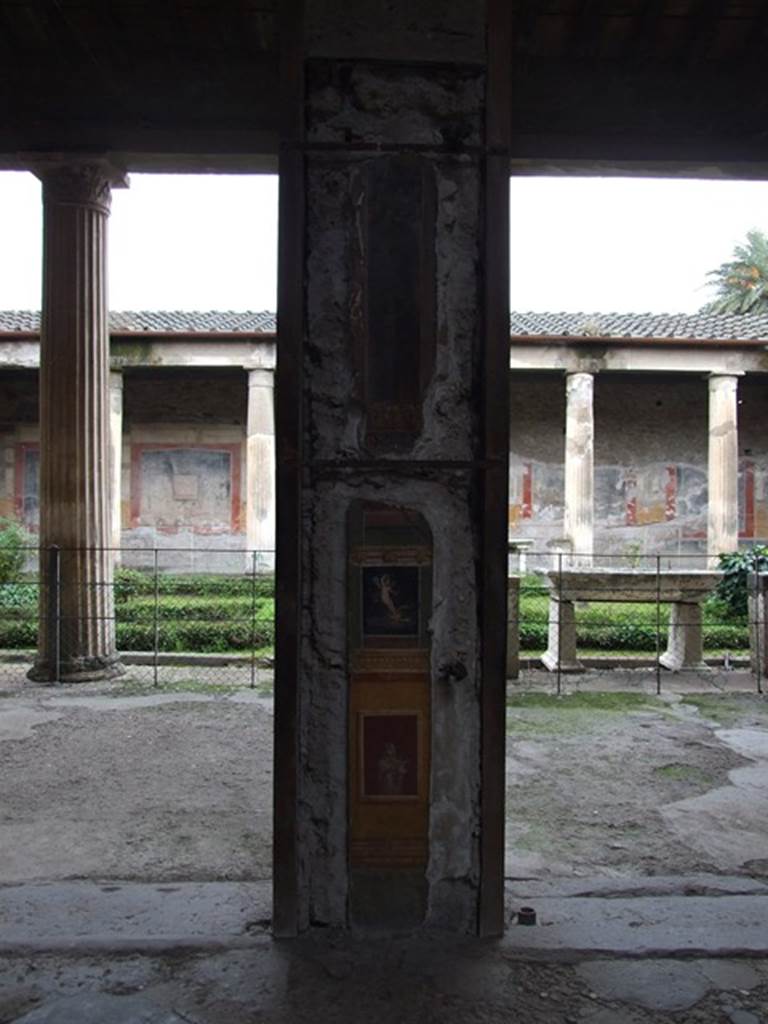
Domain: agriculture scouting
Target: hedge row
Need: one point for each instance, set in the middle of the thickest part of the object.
(200, 637)
(182, 606)
(633, 637)
(134, 582)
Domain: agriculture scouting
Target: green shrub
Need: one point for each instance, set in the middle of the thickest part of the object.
(135, 582)
(14, 540)
(736, 567)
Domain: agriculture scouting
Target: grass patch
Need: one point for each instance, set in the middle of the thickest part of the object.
(729, 709)
(142, 688)
(616, 702)
(679, 772)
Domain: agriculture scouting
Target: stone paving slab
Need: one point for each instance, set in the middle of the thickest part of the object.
(522, 890)
(721, 926)
(113, 916)
(100, 1008)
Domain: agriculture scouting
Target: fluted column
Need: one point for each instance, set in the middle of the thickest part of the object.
(579, 467)
(723, 466)
(75, 512)
(116, 457)
(260, 466)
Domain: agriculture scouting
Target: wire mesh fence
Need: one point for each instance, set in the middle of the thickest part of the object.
(179, 617)
(160, 617)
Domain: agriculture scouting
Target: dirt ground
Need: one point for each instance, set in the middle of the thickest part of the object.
(177, 783)
(123, 782)
(629, 783)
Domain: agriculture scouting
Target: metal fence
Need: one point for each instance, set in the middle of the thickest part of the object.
(572, 614)
(159, 616)
(178, 616)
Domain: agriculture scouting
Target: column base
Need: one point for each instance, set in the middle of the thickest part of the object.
(675, 664)
(549, 661)
(77, 670)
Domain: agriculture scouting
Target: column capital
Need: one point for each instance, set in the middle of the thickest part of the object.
(719, 378)
(72, 180)
(261, 378)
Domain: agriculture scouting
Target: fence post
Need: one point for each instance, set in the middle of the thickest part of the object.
(559, 619)
(53, 611)
(253, 619)
(658, 624)
(156, 624)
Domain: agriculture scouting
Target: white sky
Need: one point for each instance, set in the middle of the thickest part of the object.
(591, 244)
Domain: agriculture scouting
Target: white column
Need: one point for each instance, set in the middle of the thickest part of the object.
(260, 466)
(116, 455)
(579, 467)
(723, 467)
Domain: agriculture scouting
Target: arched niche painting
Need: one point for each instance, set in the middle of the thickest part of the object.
(390, 603)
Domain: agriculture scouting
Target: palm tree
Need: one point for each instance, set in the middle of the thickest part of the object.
(742, 282)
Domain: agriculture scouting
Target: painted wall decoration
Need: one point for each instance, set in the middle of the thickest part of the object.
(390, 601)
(389, 755)
(27, 485)
(193, 487)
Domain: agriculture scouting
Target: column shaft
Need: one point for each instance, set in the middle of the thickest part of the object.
(579, 467)
(75, 512)
(116, 456)
(260, 467)
(723, 467)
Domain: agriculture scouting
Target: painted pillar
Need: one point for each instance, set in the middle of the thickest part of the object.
(75, 486)
(260, 467)
(579, 468)
(392, 405)
(723, 467)
(116, 456)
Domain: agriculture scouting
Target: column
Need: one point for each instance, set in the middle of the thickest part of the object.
(579, 468)
(392, 407)
(75, 512)
(116, 456)
(723, 467)
(260, 468)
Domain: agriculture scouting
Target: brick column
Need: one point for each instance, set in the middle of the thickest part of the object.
(723, 467)
(579, 467)
(260, 466)
(75, 512)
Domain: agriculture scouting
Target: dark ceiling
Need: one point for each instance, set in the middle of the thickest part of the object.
(632, 81)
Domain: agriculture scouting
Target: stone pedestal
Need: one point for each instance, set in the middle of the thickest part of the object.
(579, 468)
(260, 468)
(685, 645)
(513, 627)
(560, 654)
(116, 457)
(75, 486)
(723, 467)
(757, 584)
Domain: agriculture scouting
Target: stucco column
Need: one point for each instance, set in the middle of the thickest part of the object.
(75, 512)
(116, 456)
(260, 467)
(723, 467)
(579, 467)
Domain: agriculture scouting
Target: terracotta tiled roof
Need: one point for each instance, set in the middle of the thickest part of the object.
(160, 321)
(701, 326)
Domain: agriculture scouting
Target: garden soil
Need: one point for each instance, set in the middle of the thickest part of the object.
(160, 786)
